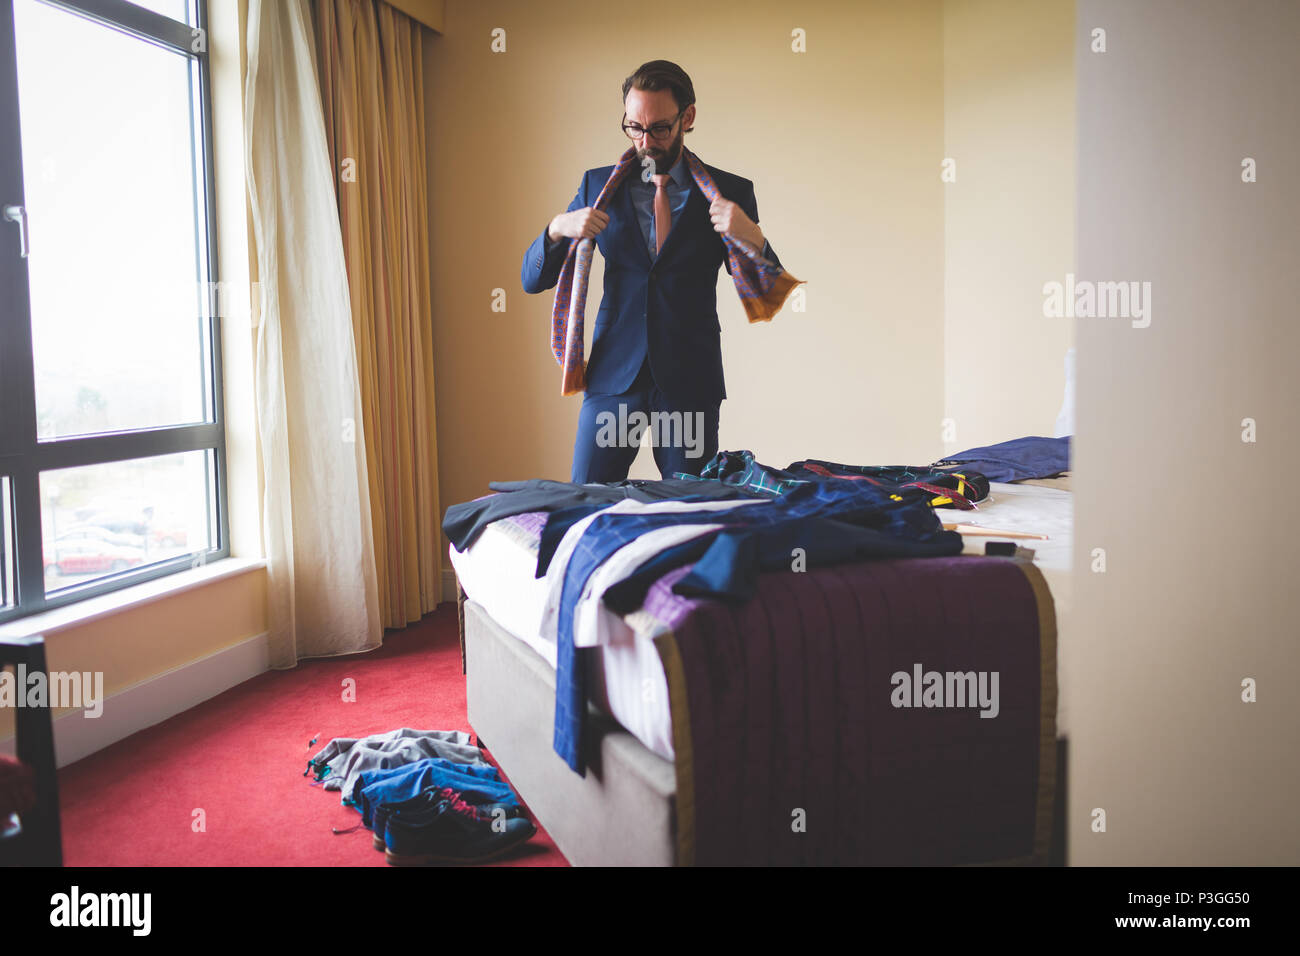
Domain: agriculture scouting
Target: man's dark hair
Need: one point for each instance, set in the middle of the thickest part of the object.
(662, 75)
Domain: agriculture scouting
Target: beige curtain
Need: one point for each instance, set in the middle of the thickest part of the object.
(372, 90)
(322, 595)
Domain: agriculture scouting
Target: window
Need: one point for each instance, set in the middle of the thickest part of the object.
(112, 445)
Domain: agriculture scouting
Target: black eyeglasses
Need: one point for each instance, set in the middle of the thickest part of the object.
(656, 131)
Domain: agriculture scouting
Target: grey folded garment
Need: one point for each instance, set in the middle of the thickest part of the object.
(344, 759)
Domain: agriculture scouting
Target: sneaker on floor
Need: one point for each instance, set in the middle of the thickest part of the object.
(422, 802)
(453, 832)
(426, 802)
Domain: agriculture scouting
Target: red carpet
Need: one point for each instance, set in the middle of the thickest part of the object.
(240, 759)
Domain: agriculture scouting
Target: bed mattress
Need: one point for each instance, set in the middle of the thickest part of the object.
(625, 675)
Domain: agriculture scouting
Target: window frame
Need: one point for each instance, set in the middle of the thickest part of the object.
(23, 457)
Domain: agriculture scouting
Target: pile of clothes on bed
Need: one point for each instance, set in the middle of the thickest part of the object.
(428, 796)
(782, 685)
(737, 519)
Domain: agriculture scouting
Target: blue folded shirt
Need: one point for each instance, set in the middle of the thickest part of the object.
(1015, 460)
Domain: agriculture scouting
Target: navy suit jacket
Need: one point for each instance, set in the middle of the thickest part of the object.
(666, 306)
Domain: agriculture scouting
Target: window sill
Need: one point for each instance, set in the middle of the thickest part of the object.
(91, 609)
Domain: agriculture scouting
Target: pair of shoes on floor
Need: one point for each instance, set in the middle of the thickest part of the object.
(439, 826)
(423, 803)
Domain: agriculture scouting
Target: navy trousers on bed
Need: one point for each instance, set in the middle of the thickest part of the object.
(683, 436)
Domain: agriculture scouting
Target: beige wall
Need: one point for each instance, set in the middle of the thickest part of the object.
(1008, 216)
(129, 647)
(843, 144)
(1199, 588)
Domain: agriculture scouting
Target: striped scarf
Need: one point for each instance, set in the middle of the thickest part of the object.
(761, 285)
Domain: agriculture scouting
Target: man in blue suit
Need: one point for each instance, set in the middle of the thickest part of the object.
(656, 348)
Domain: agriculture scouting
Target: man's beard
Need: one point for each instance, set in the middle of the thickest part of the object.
(665, 158)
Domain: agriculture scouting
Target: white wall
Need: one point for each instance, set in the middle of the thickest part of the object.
(1200, 583)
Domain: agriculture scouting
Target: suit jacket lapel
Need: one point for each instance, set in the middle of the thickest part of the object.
(632, 230)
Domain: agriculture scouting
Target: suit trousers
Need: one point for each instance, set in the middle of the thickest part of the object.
(611, 429)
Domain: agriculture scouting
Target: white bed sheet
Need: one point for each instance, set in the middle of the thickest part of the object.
(1032, 508)
(626, 677)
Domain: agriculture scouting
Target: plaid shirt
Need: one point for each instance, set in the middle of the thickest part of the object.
(948, 488)
(740, 468)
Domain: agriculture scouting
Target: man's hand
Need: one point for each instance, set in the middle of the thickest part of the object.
(730, 220)
(579, 224)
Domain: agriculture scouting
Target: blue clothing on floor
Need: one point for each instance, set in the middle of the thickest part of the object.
(475, 783)
(1016, 460)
